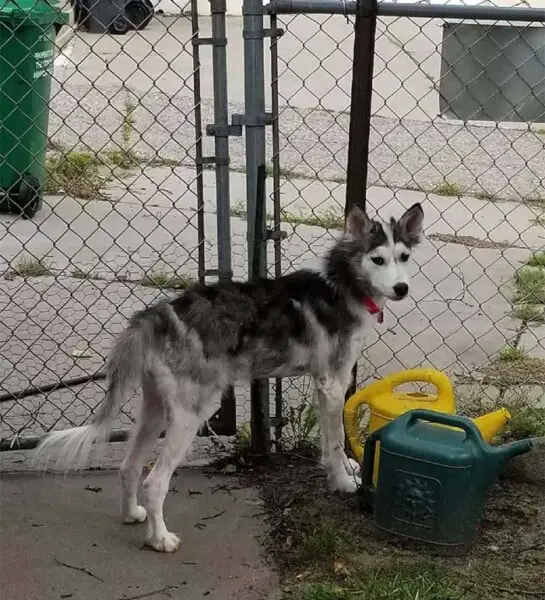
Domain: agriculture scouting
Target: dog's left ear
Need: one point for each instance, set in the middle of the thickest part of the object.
(411, 224)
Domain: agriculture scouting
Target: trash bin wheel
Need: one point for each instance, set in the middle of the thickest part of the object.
(120, 26)
(139, 13)
(28, 196)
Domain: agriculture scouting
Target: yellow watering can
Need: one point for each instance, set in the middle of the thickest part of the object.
(385, 404)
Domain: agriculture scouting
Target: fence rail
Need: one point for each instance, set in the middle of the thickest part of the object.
(150, 185)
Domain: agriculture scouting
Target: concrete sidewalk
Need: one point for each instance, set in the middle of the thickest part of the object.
(62, 538)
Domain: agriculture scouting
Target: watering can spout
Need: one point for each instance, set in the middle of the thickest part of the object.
(515, 448)
(489, 425)
(507, 451)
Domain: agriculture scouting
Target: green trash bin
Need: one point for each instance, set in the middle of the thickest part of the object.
(27, 51)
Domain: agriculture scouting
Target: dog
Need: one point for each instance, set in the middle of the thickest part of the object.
(186, 351)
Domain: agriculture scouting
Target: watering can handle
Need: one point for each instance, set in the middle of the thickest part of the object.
(432, 376)
(471, 430)
(369, 462)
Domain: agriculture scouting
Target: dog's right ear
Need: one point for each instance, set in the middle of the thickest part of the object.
(357, 223)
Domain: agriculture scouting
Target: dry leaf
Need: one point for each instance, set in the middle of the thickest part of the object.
(78, 353)
(340, 569)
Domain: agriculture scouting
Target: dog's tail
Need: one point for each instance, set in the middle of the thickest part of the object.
(72, 447)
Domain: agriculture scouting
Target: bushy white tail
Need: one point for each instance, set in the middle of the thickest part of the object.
(72, 447)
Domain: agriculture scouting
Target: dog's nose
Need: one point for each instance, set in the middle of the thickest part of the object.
(401, 289)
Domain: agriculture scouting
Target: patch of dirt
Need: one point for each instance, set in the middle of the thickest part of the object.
(507, 560)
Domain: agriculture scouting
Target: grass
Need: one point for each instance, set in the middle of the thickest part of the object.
(162, 279)
(448, 189)
(398, 581)
(467, 240)
(79, 273)
(527, 423)
(538, 201)
(512, 353)
(329, 219)
(76, 174)
(484, 195)
(30, 266)
(538, 220)
(529, 313)
(124, 156)
(515, 370)
(530, 286)
(537, 260)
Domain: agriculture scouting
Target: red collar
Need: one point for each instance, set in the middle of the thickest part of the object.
(373, 308)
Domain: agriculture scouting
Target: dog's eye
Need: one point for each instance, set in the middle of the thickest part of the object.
(378, 260)
(404, 257)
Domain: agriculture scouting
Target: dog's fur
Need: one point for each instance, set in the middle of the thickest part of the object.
(187, 351)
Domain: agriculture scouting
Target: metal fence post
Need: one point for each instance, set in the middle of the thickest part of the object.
(254, 120)
(360, 117)
(221, 132)
(360, 105)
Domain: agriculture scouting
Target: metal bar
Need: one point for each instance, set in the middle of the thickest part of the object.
(122, 435)
(259, 237)
(260, 417)
(254, 101)
(227, 412)
(221, 120)
(360, 112)
(393, 9)
(36, 390)
(199, 161)
(278, 404)
(360, 121)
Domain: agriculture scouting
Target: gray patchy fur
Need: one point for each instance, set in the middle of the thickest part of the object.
(186, 351)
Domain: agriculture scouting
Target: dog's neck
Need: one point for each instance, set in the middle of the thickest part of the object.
(355, 291)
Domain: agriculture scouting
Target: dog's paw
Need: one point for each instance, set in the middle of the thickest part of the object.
(139, 515)
(352, 467)
(170, 542)
(344, 483)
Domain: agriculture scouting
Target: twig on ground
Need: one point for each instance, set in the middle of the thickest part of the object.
(82, 569)
(214, 516)
(163, 590)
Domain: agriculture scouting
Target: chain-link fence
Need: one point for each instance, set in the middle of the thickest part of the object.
(129, 212)
(457, 108)
(131, 208)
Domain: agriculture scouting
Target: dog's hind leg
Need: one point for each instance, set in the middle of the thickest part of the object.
(185, 415)
(151, 421)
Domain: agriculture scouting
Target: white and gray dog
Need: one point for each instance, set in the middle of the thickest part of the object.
(187, 351)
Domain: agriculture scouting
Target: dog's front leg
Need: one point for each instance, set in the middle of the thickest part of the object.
(330, 391)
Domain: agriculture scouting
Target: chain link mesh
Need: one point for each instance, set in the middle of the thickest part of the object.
(120, 226)
(478, 290)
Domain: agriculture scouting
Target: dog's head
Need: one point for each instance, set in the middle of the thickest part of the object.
(372, 258)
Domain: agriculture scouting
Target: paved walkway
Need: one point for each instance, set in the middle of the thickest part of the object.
(61, 538)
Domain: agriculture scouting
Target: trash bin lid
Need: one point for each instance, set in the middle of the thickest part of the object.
(32, 12)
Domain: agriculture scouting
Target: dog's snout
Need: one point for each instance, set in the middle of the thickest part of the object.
(401, 289)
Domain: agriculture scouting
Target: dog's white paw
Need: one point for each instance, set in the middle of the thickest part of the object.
(139, 515)
(344, 483)
(170, 542)
(352, 467)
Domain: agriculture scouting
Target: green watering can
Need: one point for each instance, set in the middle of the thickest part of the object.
(432, 481)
